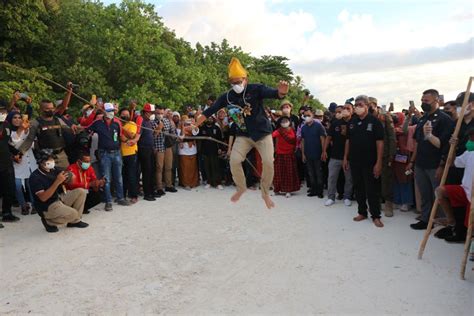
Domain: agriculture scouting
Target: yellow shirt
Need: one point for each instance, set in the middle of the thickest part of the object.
(130, 127)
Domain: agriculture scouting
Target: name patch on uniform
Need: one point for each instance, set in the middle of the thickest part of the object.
(369, 127)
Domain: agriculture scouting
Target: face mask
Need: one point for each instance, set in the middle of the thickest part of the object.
(3, 117)
(85, 165)
(125, 118)
(48, 113)
(338, 116)
(449, 113)
(359, 110)
(286, 111)
(89, 112)
(49, 164)
(371, 110)
(470, 145)
(109, 115)
(426, 107)
(238, 88)
(308, 119)
(152, 117)
(285, 125)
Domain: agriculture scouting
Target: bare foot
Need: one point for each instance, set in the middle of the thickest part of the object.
(236, 196)
(268, 202)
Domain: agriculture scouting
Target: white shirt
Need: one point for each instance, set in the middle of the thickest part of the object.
(466, 161)
(28, 163)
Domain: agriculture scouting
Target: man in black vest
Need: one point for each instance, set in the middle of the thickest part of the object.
(48, 131)
(7, 175)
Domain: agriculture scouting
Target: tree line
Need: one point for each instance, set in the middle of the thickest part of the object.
(120, 52)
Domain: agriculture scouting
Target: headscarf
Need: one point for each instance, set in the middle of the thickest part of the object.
(10, 120)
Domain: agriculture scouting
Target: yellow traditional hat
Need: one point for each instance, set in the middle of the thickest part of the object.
(236, 70)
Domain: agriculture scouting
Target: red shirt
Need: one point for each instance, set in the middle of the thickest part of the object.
(81, 178)
(286, 141)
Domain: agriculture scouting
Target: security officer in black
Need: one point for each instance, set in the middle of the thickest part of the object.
(364, 153)
(48, 131)
(7, 174)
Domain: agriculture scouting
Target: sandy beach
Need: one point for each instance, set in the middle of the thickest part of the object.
(194, 252)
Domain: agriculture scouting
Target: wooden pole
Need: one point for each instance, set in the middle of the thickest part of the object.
(468, 235)
(451, 153)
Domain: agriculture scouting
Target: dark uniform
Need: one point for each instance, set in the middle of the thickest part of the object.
(363, 136)
(7, 174)
(428, 157)
(49, 134)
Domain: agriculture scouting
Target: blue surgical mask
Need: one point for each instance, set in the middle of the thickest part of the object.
(85, 165)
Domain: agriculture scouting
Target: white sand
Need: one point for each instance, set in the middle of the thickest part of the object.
(196, 253)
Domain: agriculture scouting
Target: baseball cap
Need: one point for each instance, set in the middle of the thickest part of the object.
(148, 107)
(109, 107)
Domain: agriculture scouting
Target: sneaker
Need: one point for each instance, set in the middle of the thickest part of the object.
(79, 224)
(288, 195)
(171, 189)
(49, 228)
(108, 207)
(378, 223)
(419, 226)
(207, 186)
(33, 210)
(10, 218)
(220, 187)
(329, 202)
(321, 196)
(311, 194)
(25, 210)
(149, 198)
(456, 238)
(123, 202)
(404, 208)
(159, 193)
(444, 232)
(347, 202)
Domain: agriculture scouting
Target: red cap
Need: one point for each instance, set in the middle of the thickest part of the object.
(148, 107)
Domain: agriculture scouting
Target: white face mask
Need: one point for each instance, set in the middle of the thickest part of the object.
(3, 117)
(49, 164)
(308, 119)
(109, 115)
(286, 111)
(238, 88)
(285, 125)
(152, 117)
(338, 116)
(359, 110)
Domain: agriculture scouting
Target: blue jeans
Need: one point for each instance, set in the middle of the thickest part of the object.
(111, 169)
(20, 196)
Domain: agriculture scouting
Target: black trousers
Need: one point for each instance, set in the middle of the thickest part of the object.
(7, 189)
(315, 175)
(93, 198)
(146, 158)
(212, 169)
(368, 189)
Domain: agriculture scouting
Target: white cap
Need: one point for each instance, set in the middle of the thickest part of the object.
(176, 114)
(109, 107)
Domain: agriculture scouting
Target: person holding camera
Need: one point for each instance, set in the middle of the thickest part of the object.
(55, 205)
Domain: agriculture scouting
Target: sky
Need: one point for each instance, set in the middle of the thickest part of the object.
(392, 50)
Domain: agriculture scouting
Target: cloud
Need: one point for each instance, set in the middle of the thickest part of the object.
(361, 53)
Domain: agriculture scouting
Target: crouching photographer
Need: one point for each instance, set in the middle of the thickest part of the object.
(55, 205)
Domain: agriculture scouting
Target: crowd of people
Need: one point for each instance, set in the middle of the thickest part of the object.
(62, 167)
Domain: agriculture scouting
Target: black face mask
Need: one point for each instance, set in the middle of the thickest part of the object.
(449, 113)
(125, 118)
(371, 110)
(48, 113)
(426, 107)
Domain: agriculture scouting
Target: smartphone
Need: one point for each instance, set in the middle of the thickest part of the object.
(412, 104)
(24, 117)
(94, 99)
(441, 98)
(23, 96)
